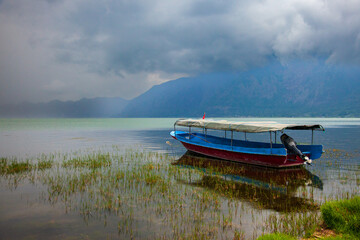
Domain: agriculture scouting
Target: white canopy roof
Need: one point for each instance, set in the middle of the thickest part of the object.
(249, 127)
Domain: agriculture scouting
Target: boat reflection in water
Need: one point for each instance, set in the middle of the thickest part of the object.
(266, 188)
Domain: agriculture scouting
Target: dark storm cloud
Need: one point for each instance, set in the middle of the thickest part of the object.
(202, 36)
(191, 37)
(86, 48)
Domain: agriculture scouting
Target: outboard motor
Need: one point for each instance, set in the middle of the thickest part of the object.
(290, 145)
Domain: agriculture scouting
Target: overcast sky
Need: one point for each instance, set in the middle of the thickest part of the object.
(69, 49)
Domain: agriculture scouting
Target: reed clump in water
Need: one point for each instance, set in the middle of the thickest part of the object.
(9, 166)
(12, 166)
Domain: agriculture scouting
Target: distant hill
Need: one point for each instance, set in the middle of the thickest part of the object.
(296, 90)
(96, 107)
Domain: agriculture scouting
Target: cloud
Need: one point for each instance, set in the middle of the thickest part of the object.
(68, 49)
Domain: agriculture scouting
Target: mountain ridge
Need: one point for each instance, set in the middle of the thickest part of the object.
(298, 89)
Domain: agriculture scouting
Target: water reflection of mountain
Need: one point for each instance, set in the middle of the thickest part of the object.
(266, 188)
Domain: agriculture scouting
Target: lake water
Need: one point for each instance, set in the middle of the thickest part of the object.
(25, 212)
(19, 137)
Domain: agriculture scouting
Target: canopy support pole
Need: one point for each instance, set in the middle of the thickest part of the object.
(275, 137)
(270, 143)
(312, 136)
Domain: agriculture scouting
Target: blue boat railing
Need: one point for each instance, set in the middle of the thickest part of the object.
(250, 147)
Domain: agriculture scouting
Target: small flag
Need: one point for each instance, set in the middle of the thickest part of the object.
(204, 116)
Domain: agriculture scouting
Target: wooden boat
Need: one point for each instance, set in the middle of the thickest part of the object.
(285, 154)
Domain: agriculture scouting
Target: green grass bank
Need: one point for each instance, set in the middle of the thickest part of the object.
(342, 216)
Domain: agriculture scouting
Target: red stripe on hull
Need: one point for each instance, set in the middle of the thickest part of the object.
(256, 159)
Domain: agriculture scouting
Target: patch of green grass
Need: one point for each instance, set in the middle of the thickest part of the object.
(282, 236)
(343, 216)
(276, 236)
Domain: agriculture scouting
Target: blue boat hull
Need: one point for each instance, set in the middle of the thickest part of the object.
(258, 153)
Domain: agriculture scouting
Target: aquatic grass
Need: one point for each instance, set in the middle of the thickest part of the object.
(12, 166)
(339, 154)
(294, 224)
(44, 164)
(91, 161)
(143, 193)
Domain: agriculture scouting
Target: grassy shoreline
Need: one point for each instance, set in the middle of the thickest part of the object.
(341, 220)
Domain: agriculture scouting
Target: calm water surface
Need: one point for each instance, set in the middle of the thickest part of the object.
(25, 213)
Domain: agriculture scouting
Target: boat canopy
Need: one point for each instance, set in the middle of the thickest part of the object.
(249, 127)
